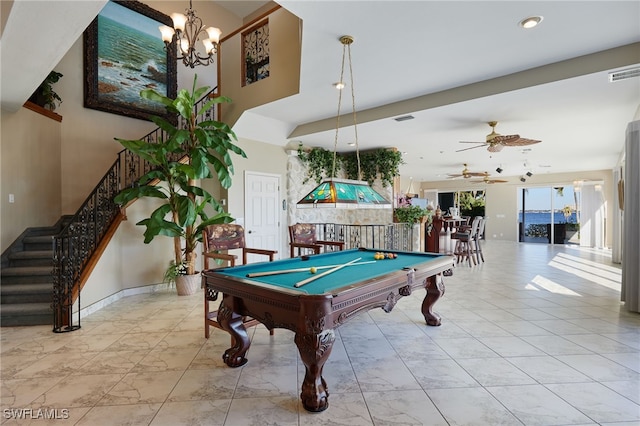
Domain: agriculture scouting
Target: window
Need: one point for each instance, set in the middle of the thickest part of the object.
(255, 51)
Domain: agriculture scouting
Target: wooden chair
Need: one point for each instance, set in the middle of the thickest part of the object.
(479, 236)
(467, 236)
(303, 236)
(223, 237)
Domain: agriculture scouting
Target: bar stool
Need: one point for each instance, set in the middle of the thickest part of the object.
(465, 241)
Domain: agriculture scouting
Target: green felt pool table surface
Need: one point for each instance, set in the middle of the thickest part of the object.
(344, 277)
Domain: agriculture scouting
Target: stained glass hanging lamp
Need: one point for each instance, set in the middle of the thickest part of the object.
(344, 193)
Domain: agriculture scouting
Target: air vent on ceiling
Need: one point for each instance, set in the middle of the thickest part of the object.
(404, 118)
(624, 74)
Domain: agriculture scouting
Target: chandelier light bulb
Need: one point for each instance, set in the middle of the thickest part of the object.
(187, 30)
(179, 21)
(167, 33)
(214, 34)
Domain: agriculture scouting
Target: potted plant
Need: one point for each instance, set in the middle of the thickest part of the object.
(44, 95)
(178, 162)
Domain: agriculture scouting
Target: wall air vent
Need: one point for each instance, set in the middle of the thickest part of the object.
(404, 118)
(624, 74)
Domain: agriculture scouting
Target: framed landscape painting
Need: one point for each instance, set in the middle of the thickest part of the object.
(124, 54)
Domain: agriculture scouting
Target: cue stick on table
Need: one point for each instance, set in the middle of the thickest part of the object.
(330, 271)
(288, 271)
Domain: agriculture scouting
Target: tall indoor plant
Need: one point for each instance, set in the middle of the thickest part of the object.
(179, 161)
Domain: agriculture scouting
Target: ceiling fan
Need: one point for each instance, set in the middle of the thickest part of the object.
(465, 173)
(486, 179)
(495, 141)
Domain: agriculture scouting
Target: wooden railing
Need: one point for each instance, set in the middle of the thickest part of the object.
(76, 247)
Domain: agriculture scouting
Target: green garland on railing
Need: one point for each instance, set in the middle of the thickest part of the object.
(381, 163)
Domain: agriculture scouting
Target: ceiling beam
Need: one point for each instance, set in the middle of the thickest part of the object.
(582, 65)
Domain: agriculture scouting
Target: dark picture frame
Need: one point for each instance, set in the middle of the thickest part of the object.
(123, 55)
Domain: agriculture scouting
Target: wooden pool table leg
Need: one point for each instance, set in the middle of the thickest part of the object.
(435, 289)
(314, 351)
(233, 324)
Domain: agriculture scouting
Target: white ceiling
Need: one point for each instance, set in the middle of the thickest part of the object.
(441, 61)
(415, 49)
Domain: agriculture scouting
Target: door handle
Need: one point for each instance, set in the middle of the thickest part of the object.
(249, 232)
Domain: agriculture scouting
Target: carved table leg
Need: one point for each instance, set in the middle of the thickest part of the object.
(435, 289)
(233, 324)
(314, 352)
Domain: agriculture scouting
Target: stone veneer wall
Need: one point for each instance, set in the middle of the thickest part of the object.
(296, 174)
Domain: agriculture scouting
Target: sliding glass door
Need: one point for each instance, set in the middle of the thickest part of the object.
(549, 214)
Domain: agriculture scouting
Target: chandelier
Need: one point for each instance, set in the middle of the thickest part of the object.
(344, 193)
(188, 29)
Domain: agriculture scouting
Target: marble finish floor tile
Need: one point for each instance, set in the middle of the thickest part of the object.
(525, 340)
(537, 405)
(480, 407)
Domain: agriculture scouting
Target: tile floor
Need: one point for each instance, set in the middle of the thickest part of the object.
(534, 336)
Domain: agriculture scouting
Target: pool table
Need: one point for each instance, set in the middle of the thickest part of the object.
(316, 308)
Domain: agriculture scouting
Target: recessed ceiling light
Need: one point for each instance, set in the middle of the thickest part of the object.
(530, 22)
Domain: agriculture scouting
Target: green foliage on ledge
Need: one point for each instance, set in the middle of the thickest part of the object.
(412, 214)
(381, 163)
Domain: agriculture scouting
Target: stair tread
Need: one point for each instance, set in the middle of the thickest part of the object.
(32, 254)
(38, 238)
(25, 308)
(26, 270)
(10, 289)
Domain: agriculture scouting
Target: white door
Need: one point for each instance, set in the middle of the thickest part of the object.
(262, 213)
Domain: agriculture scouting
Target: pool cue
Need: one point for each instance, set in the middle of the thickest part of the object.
(289, 271)
(330, 271)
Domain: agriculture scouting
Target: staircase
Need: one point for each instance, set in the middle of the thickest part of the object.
(27, 281)
(44, 270)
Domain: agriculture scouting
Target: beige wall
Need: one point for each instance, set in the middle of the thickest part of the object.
(263, 158)
(284, 79)
(52, 167)
(502, 199)
(30, 163)
(88, 145)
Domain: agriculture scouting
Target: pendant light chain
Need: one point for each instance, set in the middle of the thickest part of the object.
(353, 104)
(346, 45)
(335, 142)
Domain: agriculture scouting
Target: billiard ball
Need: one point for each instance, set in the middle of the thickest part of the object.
(313, 270)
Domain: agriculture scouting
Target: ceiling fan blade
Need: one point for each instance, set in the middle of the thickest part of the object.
(504, 139)
(473, 147)
(520, 142)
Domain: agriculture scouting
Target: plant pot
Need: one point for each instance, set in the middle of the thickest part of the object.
(188, 284)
